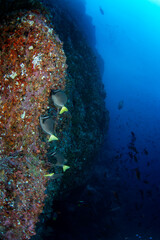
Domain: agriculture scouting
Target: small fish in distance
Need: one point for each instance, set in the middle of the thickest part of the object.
(47, 124)
(101, 10)
(59, 99)
(120, 104)
(138, 175)
(145, 151)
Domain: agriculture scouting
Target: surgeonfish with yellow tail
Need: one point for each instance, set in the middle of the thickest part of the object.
(59, 99)
(60, 160)
(49, 175)
(53, 175)
(47, 124)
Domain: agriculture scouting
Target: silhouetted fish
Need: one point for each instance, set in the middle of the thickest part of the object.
(145, 151)
(145, 181)
(148, 164)
(120, 104)
(101, 10)
(130, 155)
(138, 175)
(116, 195)
(132, 147)
(133, 137)
(135, 158)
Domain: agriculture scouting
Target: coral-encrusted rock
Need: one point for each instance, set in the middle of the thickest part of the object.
(32, 62)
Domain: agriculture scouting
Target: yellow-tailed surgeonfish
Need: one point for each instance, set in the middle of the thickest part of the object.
(60, 161)
(59, 98)
(47, 124)
(49, 175)
(53, 175)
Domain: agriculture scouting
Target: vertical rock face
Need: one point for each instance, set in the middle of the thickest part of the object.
(32, 62)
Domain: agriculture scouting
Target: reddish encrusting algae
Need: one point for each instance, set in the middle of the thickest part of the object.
(32, 62)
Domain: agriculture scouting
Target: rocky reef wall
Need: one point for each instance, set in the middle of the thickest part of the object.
(43, 50)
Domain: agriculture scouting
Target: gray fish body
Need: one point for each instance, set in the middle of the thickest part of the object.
(58, 175)
(59, 98)
(60, 159)
(47, 124)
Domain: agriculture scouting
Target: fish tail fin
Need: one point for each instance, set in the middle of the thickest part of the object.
(65, 167)
(49, 175)
(52, 138)
(63, 109)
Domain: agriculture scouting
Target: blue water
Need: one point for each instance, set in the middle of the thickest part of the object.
(128, 39)
(121, 201)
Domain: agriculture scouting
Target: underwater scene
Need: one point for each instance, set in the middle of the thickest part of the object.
(79, 119)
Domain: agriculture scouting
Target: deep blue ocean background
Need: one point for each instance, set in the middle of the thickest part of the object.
(121, 200)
